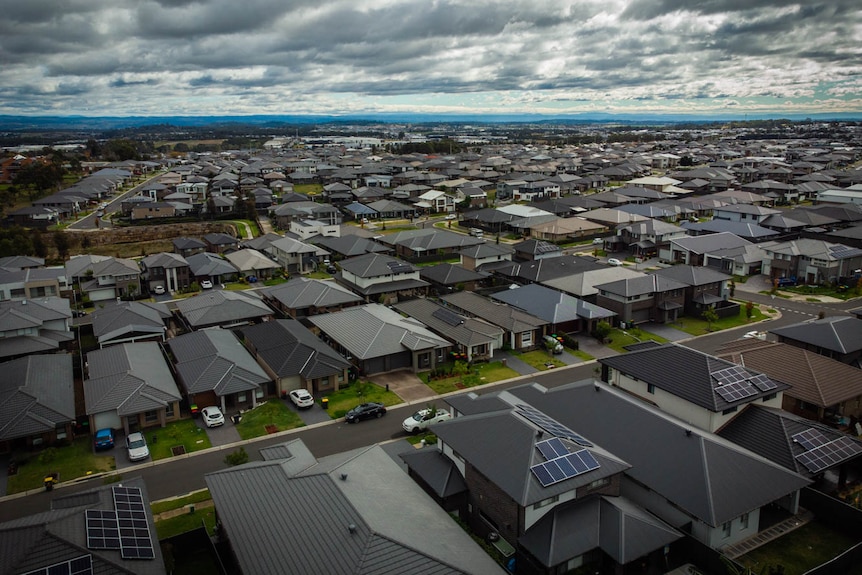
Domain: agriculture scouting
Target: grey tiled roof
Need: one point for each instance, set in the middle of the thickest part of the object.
(647, 284)
(220, 307)
(374, 265)
(289, 348)
(36, 394)
(302, 293)
(710, 243)
(128, 318)
(505, 316)
(215, 360)
(840, 334)
(551, 305)
(449, 274)
(469, 332)
(210, 265)
(692, 275)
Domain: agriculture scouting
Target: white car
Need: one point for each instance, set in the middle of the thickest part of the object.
(597, 241)
(159, 290)
(206, 284)
(136, 445)
(423, 418)
(614, 262)
(301, 398)
(213, 417)
(451, 216)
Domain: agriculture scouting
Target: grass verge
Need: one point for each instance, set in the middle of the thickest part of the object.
(71, 462)
(540, 360)
(185, 433)
(699, 326)
(186, 522)
(358, 392)
(620, 339)
(178, 502)
(799, 550)
(273, 414)
(487, 373)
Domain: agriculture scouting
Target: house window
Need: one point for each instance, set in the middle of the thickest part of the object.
(169, 410)
(61, 431)
(258, 393)
(599, 483)
(242, 397)
(650, 388)
(769, 397)
(151, 416)
(526, 338)
(545, 502)
(744, 520)
(725, 529)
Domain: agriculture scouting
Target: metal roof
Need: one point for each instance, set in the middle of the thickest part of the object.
(840, 334)
(551, 305)
(219, 307)
(36, 394)
(288, 348)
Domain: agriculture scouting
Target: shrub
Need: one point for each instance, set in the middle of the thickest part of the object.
(237, 457)
(603, 330)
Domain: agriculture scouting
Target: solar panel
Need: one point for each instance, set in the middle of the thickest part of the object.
(551, 425)
(78, 566)
(103, 531)
(135, 540)
(733, 374)
(564, 467)
(731, 392)
(762, 382)
(552, 448)
(447, 316)
(810, 439)
(829, 454)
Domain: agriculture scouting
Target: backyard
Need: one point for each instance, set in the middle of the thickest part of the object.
(269, 417)
(70, 462)
(799, 550)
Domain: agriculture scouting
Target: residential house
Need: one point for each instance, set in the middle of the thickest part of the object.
(219, 243)
(32, 283)
(272, 513)
(583, 284)
(425, 244)
(836, 337)
(436, 202)
(649, 237)
(350, 245)
(701, 389)
(706, 288)
(251, 263)
(215, 369)
(167, 270)
(295, 256)
(694, 250)
(37, 401)
(641, 299)
(563, 312)
(542, 270)
(130, 387)
(111, 278)
(474, 257)
(474, 339)
(390, 209)
(377, 339)
(521, 331)
(302, 297)
(744, 213)
(533, 249)
(306, 229)
(153, 210)
(810, 261)
(188, 246)
(294, 358)
(212, 267)
(446, 277)
(70, 535)
(381, 277)
(221, 308)
(567, 229)
(131, 321)
(41, 325)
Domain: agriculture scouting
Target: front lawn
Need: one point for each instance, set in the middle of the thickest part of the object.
(699, 326)
(271, 416)
(620, 339)
(346, 398)
(70, 461)
(839, 292)
(540, 359)
(487, 373)
(799, 550)
(183, 433)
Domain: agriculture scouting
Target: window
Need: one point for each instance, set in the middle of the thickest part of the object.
(169, 410)
(242, 397)
(151, 416)
(545, 502)
(527, 338)
(258, 393)
(725, 529)
(769, 397)
(650, 388)
(61, 431)
(744, 520)
(599, 483)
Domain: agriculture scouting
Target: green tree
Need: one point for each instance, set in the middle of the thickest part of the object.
(39, 247)
(61, 242)
(603, 330)
(710, 317)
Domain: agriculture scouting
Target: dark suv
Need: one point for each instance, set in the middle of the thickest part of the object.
(365, 411)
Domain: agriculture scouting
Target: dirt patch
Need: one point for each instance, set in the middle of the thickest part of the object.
(178, 450)
(272, 429)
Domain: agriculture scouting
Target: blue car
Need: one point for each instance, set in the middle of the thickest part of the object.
(104, 439)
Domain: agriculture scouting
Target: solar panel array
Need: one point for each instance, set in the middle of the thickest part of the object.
(125, 527)
(78, 566)
(551, 425)
(829, 454)
(565, 467)
(810, 438)
(735, 382)
(397, 267)
(448, 316)
(552, 448)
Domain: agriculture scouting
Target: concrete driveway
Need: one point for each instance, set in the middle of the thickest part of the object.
(404, 384)
(221, 435)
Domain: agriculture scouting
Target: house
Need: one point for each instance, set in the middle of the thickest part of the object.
(836, 337)
(130, 387)
(447, 277)
(188, 246)
(34, 326)
(212, 267)
(219, 243)
(474, 257)
(563, 312)
(619, 501)
(744, 213)
(377, 339)
(37, 401)
(521, 331)
(294, 256)
(694, 250)
(705, 288)
(642, 299)
(73, 535)
(222, 308)
(153, 210)
(750, 232)
(111, 278)
(351, 245)
(294, 358)
(583, 284)
(390, 209)
(567, 229)
(533, 249)
(649, 237)
(381, 277)
(811, 261)
(475, 339)
(301, 297)
(131, 321)
(823, 389)
(32, 282)
(249, 262)
(542, 270)
(436, 201)
(324, 515)
(215, 369)
(306, 229)
(701, 389)
(422, 244)
(167, 270)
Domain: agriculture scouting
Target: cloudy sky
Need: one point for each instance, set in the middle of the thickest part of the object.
(219, 57)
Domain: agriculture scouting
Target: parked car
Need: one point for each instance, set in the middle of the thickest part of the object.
(553, 344)
(451, 216)
(301, 398)
(614, 262)
(136, 444)
(213, 417)
(597, 241)
(206, 284)
(787, 282)
(252, 279)
(331, 269)
(159, 290)
(420, 420)
(104, 439)
(365, 411)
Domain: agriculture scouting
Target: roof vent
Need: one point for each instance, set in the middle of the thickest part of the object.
(344, 477)
(352, 528)
(539, 433)
(688, 433)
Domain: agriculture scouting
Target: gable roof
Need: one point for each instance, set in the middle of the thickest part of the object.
(36, 394)
(215, 360)
(645, 284)
(467, 332)
(128, 319)
(449, 274)
(710, 243)
(692, 275)
(206, 264)
(289, 348)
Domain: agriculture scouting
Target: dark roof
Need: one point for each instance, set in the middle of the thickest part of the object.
(548, 268)
(36, 395)
(839, 334)
(505, 316)
(289, 348)
(436, 470)
(692, 275)
(449, 274)
(302, 293)
(551, 305)
(646, 284)
(690, 379)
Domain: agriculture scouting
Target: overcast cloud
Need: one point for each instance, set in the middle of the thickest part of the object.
(213, 57)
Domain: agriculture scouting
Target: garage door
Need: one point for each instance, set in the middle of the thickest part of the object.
(108, 419)
(101, 294)
(400, 361)
(641, 315)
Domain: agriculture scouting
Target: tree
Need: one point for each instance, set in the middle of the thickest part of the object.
(603, 330)
(749, 309)
(61, 242)
(39, 247)
(732, 286)
(710, 317)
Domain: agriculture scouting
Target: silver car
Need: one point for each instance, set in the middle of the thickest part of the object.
(136, 444)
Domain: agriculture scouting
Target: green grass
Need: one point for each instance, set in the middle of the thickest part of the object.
(178, 502)
(539, 359)
(275, 281)
(698, 326)
(71, 462)
(582, 355)
(488, 373)
(273, 412)
(779, 294)
(346, 398)
(186, 522)
(308, 189)
(620, 340)
(184, 432)
(823, 291)
(799, 550)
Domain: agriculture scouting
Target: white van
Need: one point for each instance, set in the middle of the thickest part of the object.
(476, 232)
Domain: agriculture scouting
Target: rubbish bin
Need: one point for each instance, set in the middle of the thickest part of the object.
(324, 403)
(50, 480)
(503, 361)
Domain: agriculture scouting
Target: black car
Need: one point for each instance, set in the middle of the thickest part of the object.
(365, 411)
